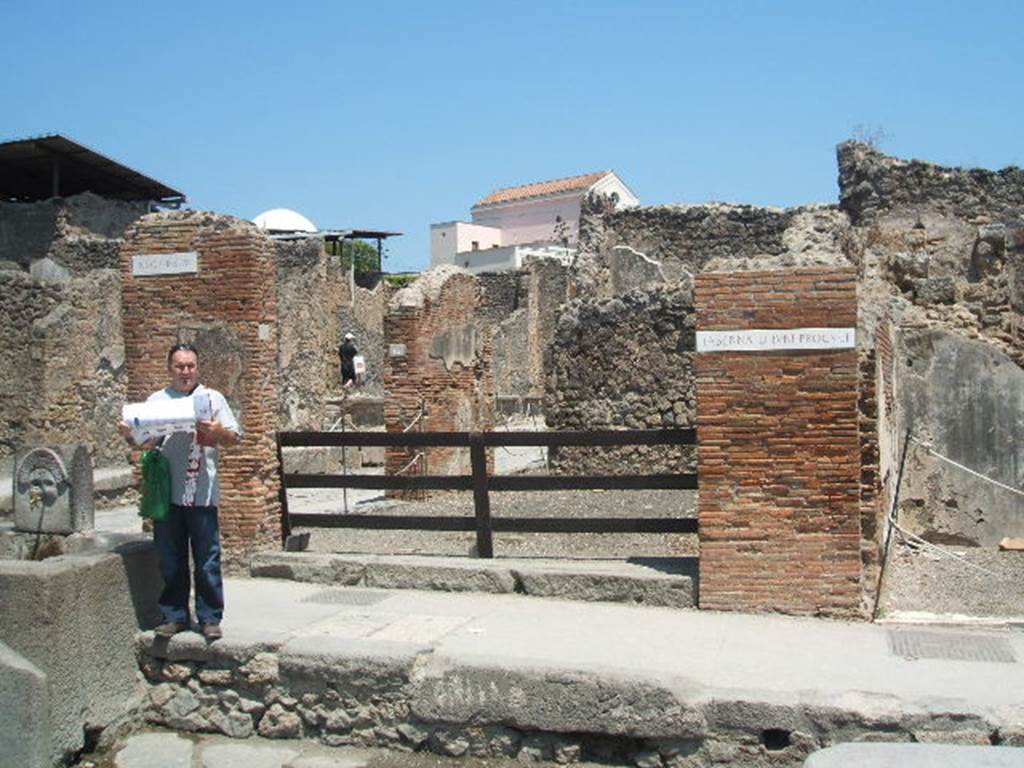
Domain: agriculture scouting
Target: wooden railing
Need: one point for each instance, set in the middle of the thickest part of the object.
(482, 484)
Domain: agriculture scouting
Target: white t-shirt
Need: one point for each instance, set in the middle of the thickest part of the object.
(194, 467)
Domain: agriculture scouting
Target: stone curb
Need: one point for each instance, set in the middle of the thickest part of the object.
(663, 583)
(354, 693)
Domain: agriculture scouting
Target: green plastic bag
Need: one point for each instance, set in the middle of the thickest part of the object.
(156, 485)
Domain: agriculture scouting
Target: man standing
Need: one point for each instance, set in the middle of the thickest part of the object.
(192, 522)
(347, 352)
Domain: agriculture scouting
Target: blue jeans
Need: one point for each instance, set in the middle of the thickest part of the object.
(198, 527)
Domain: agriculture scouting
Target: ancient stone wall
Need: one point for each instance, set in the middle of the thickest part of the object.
(963, 400)
(511, 353)
(61, 364)
(639, 247)
(872, 185)
(362, 314)
(503, 294)
(778, 448)
(76, 231)
(307, 333)
(625, 362)
(228, 310)
(316, 308)
(548, 292)
(523, 308)
(438, 373)
(941, 252)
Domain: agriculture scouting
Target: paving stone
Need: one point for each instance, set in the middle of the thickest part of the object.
(247, 756)
(319, 761)
(156, 750)
(915, 756)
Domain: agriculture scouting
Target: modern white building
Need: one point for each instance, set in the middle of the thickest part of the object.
(515, 223)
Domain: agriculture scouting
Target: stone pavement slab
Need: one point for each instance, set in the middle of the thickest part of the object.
(170, 750)
(156, 750)
(915, 756)
(247, 756)
(772, 656)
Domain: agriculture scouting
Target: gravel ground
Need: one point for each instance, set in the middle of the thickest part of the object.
(919, 579)
(575, 504)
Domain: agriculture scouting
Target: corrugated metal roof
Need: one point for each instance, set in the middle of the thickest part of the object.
(47, 166)
(542, 188)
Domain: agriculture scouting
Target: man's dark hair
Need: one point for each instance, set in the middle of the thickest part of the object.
(182, 348)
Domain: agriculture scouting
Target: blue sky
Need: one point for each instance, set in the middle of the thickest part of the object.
(394, 115)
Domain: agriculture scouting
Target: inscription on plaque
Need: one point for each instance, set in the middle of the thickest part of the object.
(772, 340)
(149, 264)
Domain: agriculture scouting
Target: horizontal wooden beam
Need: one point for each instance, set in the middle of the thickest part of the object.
(579, 438)
(499, 524)
(496, 482)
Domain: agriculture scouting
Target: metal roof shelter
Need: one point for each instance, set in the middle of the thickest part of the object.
(55, 166)
(334, 235)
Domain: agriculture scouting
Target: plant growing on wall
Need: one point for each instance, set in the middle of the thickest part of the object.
(360, 252)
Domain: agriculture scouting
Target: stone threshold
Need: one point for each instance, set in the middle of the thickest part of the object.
(661, 582)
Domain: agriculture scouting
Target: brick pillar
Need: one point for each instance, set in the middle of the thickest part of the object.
(227, 308)
(778, 449)
(438, 360)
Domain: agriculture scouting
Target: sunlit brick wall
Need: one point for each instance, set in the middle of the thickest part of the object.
(228, 310)
(779, 451)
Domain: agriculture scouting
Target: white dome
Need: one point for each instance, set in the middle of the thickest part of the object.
(284, 220)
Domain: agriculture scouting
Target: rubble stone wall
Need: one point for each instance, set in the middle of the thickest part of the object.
(942, 260)
(638, 247)
(76, 231)
(307, 333)
(778, 448)
(872, 184)
(503, 293)
(438, 373)
(624, 362)
(61, 365)
(523, 307)
(228, 310)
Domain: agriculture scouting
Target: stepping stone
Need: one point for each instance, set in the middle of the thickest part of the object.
(247, 756)
(156, 750)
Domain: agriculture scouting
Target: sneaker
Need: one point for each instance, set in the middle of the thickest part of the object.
(212, 631)
(169, 629)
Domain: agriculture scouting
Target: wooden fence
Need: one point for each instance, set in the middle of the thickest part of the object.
(482, 484)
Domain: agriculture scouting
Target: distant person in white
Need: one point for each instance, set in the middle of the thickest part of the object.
(192, 522)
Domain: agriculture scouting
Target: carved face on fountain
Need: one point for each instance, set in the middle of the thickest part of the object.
(43, 479)
(42, 485)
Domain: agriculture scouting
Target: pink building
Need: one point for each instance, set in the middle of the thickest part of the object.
(511, 224)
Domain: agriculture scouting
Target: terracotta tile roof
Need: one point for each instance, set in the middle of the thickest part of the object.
(541, 188)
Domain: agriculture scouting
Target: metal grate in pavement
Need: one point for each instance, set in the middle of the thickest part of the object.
(345, 597)
(950, 646)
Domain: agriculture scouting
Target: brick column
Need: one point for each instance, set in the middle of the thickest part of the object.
(439, 360)
(779, 459)
(228, 310)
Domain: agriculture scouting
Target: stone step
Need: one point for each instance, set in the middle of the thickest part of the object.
(663, 582)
